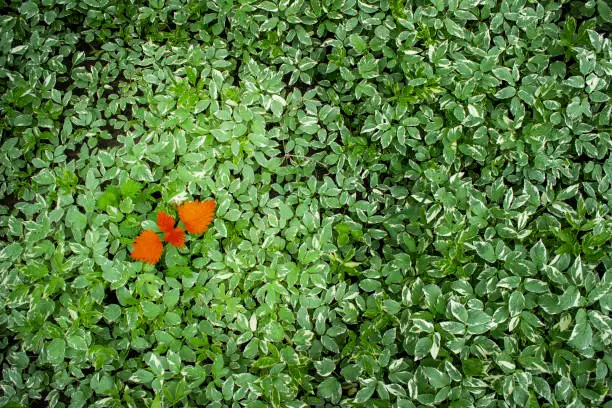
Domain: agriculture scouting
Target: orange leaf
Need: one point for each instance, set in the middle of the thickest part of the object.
(147, 247)
(165, 222)
(175, 237)
(197, 216)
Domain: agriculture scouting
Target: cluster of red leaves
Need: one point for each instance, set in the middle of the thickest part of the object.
(195, 215)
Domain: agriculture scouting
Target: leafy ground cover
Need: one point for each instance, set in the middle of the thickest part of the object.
(412, 203)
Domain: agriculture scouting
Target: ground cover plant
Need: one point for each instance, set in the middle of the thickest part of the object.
(412, 203)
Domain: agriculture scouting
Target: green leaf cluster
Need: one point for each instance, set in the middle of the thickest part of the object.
(413, 203)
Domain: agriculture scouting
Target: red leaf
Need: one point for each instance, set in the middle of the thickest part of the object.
(147, 247)
(196, 215)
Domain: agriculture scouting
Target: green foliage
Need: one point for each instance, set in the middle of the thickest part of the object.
(413, 203)
(109, 198)
(130, 188)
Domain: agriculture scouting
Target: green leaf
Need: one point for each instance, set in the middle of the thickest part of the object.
(77, 343)
(505, 93)
(112, 312)
(155, 363)
(604, 11)
(112, 274)
(436, 378)
(324, 367)
(142, 376)
(535, 286)
(357, 42)
(503, 73)
(478, 322)
(56, 351)
(28, 9)
(364, 394)
(274, 332)
(516, 303)
(485, 251)
(575, 81)
(582, 334)
(472, 367)
(11, 252)
(453, 28)
(150, 309)
(330, 389)
(423, 347)
(141, 172)
(575, 271)
(459, 311)
(538, 254)
(22, 120)
(171, 298)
